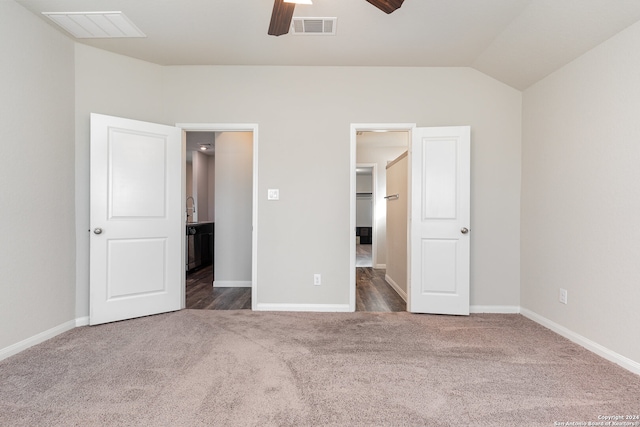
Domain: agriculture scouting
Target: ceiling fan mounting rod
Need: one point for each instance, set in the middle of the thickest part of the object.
(283, 14)
(281, 18)
(387, 6)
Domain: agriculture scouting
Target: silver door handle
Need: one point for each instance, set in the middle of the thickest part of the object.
(464, 230)
(98, 231)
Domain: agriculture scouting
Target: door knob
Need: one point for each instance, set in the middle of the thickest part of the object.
(98, 231)
(464, 230)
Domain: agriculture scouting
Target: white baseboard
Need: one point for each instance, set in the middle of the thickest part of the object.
(498, 309)
(82, 321)
(303, 307)
(596, 348)
(396, 287)
(232, 283)
(36, 339)
(380, 266)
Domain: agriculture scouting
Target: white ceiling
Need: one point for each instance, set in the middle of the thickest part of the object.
(196, 139)
(515, 41)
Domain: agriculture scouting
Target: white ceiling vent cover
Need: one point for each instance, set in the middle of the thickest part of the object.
(314, 26)
(95, 25)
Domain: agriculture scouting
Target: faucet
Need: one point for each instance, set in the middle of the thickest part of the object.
(193, 208)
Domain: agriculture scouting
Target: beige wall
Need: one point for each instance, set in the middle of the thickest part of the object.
(37, 248)
(234, 209)
(580, 195)
(397, 225)
(189, 188)
(211, 168)
(304, 151)
(364, 200)
(200, 165)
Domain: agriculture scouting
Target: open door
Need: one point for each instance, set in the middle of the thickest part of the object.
(440, 218)
(136, 259)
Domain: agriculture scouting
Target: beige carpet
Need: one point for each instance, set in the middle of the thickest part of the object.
(243, 368)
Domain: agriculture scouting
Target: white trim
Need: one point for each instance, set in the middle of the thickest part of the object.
(355, 128)
(497, 309)
(381, 266)
(37, 339)
(241, 127)
(592, 346)
(326, 308)
(352, 219)
(396, 287)
(232, 283)
(185, 218)
(82, 321)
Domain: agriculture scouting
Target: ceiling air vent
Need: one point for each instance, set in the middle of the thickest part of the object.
(314, 26)
(95, 25)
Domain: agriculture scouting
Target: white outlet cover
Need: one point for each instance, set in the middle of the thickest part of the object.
(563, 297)
(273, 194)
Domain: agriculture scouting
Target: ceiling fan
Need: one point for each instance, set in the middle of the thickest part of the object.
(283, 13)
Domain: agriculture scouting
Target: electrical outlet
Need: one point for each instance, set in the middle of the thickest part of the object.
(317, 279)
(563, 297)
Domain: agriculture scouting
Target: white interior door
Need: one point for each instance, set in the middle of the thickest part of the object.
(136, 243)
(440, 219)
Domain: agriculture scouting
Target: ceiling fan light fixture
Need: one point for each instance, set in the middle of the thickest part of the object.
(299, 1)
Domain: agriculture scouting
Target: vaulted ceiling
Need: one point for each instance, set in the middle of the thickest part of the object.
(515, 41)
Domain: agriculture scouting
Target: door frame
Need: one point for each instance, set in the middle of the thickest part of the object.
(355, 128)
(232, 127)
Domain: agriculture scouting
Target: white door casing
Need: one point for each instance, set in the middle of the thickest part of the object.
(240, 127)
(355, 128)
(136, 235)
(440, 218)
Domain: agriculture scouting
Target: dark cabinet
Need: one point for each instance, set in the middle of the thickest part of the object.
(365, 235)
(199, 245)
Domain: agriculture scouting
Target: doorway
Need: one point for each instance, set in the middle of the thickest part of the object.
(373, 147)
(365, 213)
(220, 200)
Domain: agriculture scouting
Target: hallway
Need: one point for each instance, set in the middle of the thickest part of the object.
(372, 293)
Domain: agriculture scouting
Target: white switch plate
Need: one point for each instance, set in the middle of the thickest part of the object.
(317, 279)
(273, 194)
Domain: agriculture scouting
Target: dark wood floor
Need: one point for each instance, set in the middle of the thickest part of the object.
(364, 256)
(202, 295)
(373, 293)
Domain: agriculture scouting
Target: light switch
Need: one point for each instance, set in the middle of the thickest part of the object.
(273, 194)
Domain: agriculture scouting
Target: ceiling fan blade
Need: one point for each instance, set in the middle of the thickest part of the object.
(281, 18)
(387, 6)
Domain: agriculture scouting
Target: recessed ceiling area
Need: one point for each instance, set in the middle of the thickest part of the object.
(197, 140)
(517, 42)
